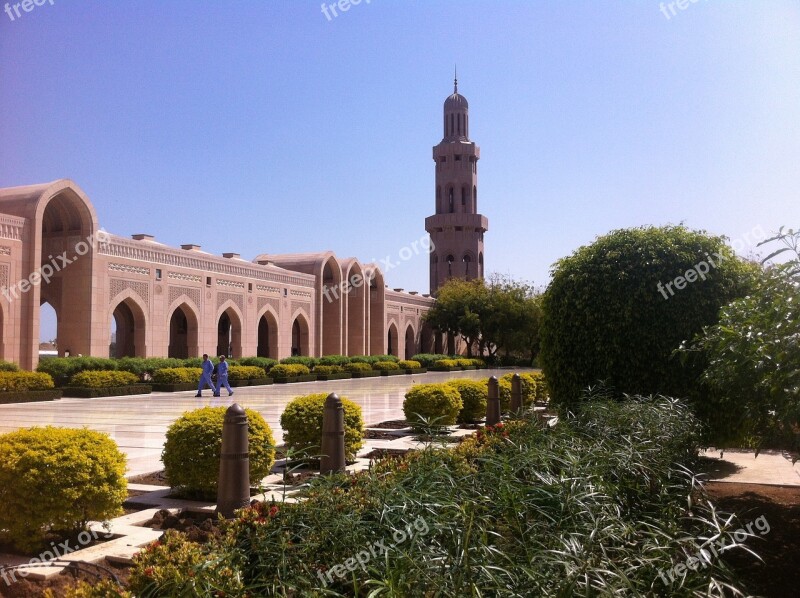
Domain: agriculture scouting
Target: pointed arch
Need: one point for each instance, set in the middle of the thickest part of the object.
(391, 339)
(355, 308)
(377, 309)
(130, 314)
(229, 330)
(300, 334)
(410, 342)
(267, 343)
(183, 322)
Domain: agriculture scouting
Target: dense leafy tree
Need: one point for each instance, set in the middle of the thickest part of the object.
(616, 310)
(753, 356)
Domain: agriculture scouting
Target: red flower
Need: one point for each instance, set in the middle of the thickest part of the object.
(273, 510)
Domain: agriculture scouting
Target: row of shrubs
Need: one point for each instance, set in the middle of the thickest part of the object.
(84, 474)
(593, 507)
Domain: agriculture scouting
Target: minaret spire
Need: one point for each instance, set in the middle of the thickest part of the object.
(455, 79)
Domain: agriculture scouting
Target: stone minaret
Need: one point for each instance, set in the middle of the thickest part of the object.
(456, 229)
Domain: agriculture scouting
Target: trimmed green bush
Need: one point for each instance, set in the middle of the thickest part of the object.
(542, 393)
(527, 386)
(614, 313)
(302, 422)
(194, 443)
(7, 366)
(446, 364)
(63, 368)
(474, 396)
(328, 369)
(56, 480)
(309, 362)
(245, 372)
(333, 360)
(384, 366)
(377, 358)
(361, 359)
(146, 366)
(177, 376)
(288, 370)
(429, 359)
(20, 381)
(263, 362)
(357, 366)
(432, 404)
(103, 379)
(408, 364)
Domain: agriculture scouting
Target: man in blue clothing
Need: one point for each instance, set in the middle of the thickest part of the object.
(205, 377)
(222, 376)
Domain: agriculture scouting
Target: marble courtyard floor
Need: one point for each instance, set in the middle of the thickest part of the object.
(139, 423)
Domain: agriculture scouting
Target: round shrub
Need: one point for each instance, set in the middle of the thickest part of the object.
(446, 363)
(474, 396)
(63, 368)
(262, 362)
(287, 370)
(192, 451)
(361, 359)
(328, 369)
(614, 312)
(103, 379)
(408, 364)
(177, 375)
(385, 366)
(245, 372)
(7, 366)
(527, 387)
(302, 421)
(22, 381)
(377, 358)
(56, 480)
(542, 393)
(357, 366)
(432, 404)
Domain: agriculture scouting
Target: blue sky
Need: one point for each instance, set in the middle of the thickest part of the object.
(266, 127)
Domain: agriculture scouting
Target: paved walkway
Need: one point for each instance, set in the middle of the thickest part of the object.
(743, 467)
(139, 423)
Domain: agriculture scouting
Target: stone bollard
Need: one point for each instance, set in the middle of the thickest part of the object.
(332, 436)
(233, 488)
(516, 394)
(493, 404)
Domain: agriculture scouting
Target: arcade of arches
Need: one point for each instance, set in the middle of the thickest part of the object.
(182, 302)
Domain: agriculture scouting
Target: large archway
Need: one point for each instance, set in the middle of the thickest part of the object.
(391, 340)
(182, 333)
(356, 310)
(129, 326)
(267, 336)
(300, 344)
(377, 311)
(229, 334)
(67, 254)
(331, 327)
(411, 344)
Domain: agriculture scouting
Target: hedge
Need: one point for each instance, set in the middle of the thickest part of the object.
(181, 375)
(384, 366)
(432, 405)
(474, 397)
(289, 370)
(245, 372)
(22, 381)
(103, 379)
(112, 391)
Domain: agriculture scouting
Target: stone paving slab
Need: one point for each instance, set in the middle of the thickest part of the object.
(743, 467)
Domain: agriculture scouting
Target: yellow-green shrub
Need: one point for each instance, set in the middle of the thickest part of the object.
(474, 396)
(478, 363)
(409, 364)
(527, 387)
(385, 366)
(194, 443)
(8, 366)
(542, 393)
(287, 370)
(357, 367)
(103, 379)
(302, 421)
(464, 363)
(245, 372)
(446, 363)
(21, 381)
(177, 375)
(56, 480)
(328, 369)
(433, 404)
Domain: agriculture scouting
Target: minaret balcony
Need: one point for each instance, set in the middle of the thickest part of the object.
(476, 222)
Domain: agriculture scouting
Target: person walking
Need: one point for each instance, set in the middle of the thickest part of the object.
(222, 376)
(205, 377)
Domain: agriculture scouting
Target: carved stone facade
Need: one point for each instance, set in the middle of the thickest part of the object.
(168, 301)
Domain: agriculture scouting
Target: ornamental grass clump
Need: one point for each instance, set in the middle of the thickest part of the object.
(192, 450)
